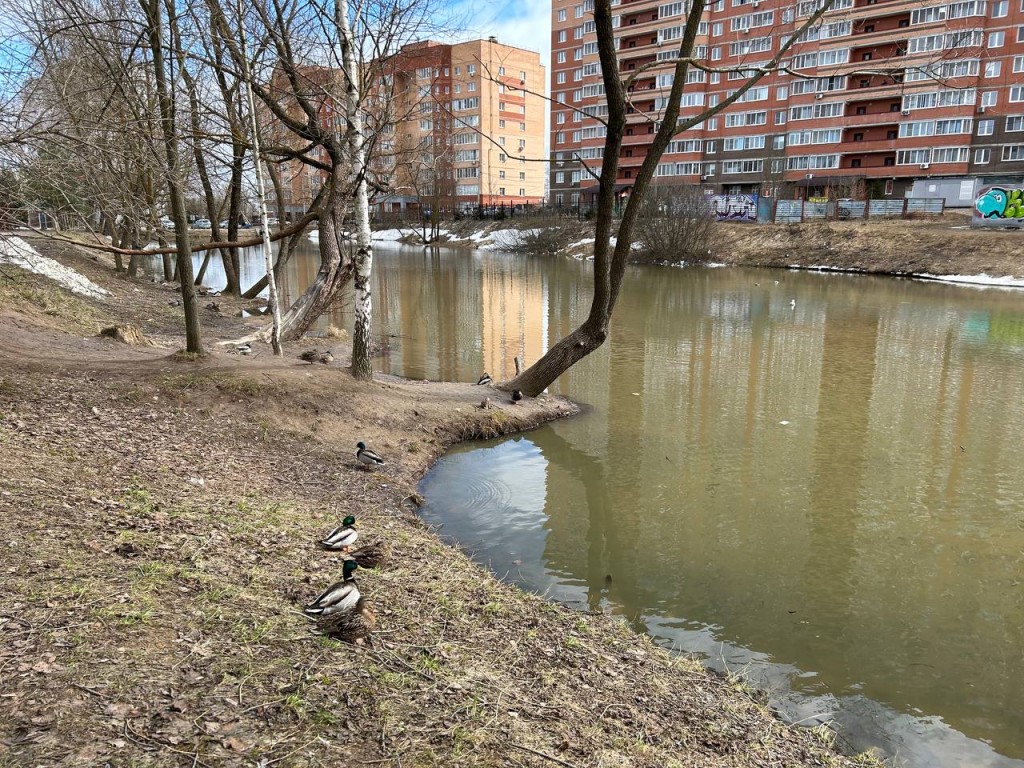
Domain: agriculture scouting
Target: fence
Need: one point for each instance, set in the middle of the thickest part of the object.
(796, 211)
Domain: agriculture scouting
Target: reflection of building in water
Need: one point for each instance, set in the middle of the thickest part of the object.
(514, 319)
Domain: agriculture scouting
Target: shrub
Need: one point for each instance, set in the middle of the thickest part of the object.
(675, 225)
(546, 240)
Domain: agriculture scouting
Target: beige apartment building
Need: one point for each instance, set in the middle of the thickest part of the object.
(468, 127)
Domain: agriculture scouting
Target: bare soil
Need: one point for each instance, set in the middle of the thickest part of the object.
(940, 245)
(158, 519)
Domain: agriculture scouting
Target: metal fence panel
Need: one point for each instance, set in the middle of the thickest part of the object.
(930, 205)
(883, 208)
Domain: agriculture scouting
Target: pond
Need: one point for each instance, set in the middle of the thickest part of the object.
(812, 479)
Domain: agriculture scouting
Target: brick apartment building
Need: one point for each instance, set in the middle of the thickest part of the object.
(453, 124)
(892, 97)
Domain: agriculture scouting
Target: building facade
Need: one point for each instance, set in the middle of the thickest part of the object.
(466, 128)
(882, 97)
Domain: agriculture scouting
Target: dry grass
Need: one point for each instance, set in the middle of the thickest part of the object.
(160, 527)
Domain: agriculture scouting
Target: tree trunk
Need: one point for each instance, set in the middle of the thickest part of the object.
(268, 252)
(175, 188)
(335, 266)
(361, 368)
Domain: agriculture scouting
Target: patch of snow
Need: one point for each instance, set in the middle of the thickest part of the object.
(14, 250)
(505, 239)
(584, 241)
(982, 280)
(390, 234)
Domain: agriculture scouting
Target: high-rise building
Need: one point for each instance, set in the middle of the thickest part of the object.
(467, 128)
(881, 96)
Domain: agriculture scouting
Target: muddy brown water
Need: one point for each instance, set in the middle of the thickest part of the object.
(812, 479)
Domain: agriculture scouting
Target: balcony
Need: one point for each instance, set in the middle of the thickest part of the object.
(868, 147)
(874, 118)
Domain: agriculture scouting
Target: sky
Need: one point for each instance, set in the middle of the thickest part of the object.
(522, 23)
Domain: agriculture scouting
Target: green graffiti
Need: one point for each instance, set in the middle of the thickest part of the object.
(1014, 204)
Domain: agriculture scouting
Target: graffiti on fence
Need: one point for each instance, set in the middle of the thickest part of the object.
(733, 207)
(1000, 203)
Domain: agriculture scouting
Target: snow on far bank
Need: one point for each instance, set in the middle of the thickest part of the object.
(14, 250)
(505, 239)
(981, 280)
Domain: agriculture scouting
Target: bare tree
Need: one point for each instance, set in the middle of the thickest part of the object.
(610, 262)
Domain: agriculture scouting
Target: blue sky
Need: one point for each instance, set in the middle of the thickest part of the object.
(522, 23)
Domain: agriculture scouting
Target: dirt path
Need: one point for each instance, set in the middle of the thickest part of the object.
(158, 521)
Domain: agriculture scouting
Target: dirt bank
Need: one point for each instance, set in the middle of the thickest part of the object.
(937, 246)
(158, 521)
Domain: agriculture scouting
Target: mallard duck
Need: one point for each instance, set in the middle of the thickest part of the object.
(244, 349)
(366, 456)
(516, 396)
(341, 596)
(342, 537)
(310, 356)
(350, 625)
(327, 357)
(485, 379)
(371, 555)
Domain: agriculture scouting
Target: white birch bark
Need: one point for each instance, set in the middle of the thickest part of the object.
(363, 261)
(268, 252)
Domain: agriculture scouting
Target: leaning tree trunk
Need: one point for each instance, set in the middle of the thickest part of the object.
(335, 266)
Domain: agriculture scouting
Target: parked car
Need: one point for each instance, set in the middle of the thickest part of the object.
(167, 223)
(202, 224)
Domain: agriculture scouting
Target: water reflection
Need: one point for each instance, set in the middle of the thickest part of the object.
(816, 476)
(834, 484)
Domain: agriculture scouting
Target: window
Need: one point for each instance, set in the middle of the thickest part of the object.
(561, 57)
(559, 177)
(501, 123)
(560, 78)
(1014, 123)
(981, 156)
(1013, 152)
(1020, 34)
(716, 29)
(501, 175)
(996, 39)
(522, 191)
(989, 98)
(782, 92)
(778, 142)
(987, 127)
(1000, 9)
(992, 68)
(562, 36)
(1017, 93)
(561, 14)
(471, 87)
(780, 117)
(471, 69)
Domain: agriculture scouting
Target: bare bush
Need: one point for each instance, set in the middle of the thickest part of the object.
(675, 225)
(547, 239)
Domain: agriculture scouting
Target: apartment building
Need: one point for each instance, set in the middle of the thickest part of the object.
(467, 128)
(883, 97)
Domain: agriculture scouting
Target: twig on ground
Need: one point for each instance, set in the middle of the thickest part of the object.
(541, 754)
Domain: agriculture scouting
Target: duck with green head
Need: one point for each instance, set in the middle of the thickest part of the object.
(343, 537)
(366, 457)
(340, 596)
